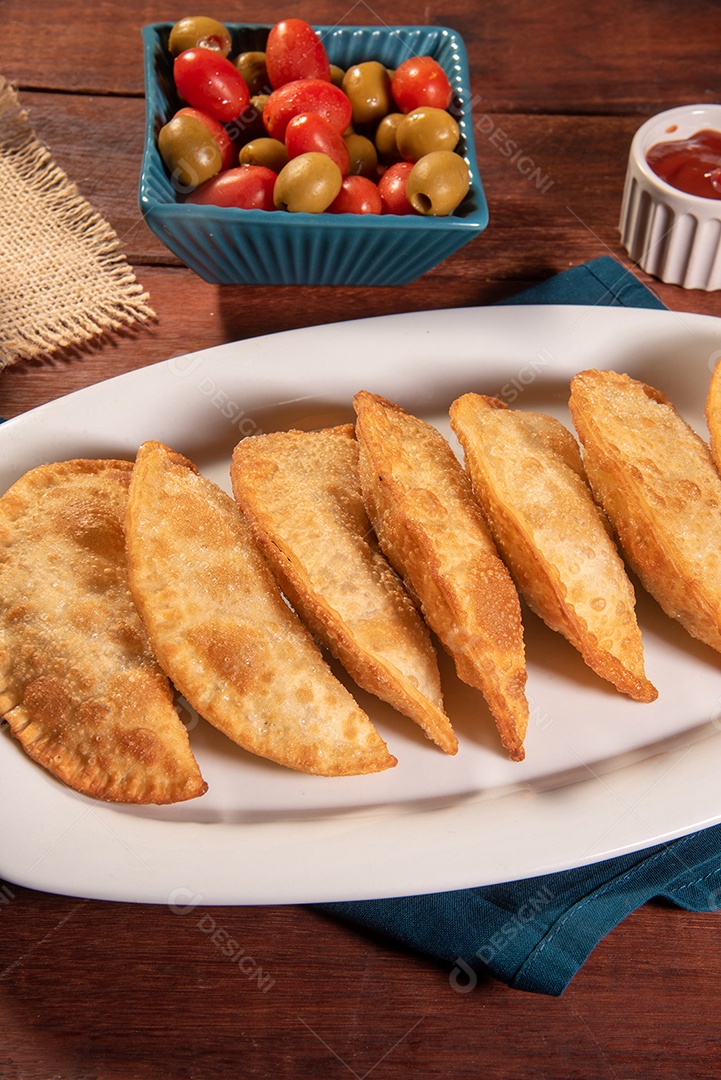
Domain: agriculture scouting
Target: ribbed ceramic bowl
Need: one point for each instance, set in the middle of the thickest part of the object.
(227, 246)
(674, 236)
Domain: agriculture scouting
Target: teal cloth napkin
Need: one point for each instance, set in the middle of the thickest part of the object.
(535, 934)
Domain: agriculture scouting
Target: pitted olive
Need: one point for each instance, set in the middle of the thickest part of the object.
(363, 156)
(308, 184)
(424, 130)
(190, 152)
(437, 183)
(251, 66)
(368, 86)
(385, 138)
(268, 152)
(199, 31)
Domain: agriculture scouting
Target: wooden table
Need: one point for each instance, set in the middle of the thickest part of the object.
(115, 990)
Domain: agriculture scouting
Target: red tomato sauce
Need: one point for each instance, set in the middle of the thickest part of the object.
(692, 165)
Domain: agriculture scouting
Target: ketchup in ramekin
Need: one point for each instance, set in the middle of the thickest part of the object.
(692, 165)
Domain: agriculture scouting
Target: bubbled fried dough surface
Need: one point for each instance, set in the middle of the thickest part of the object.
(430, 527)
(656, 480)
(223, 633)
(713, 415)
(79, 685)
(527, 473)
(300, 492)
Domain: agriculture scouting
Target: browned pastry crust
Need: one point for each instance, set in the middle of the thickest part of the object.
(713, 415)
(656, 480)
(432, 530)
(527, 472)
(79, 685)
(224, 634)
(300, 492)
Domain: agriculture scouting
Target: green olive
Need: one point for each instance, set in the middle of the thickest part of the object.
(336, 75)
(190, 152)
(424, 130)
(385, 138)
(199, 31)
(363, 156)
(308, 183)
(269, 152)
(437, 183)
(368, 86)
(251, 66)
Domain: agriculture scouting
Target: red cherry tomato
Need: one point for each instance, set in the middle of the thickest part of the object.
(358, 195)
(294, 51)
(306, 96)
(249, 187)
(311, 133)
(392, 189)
(420, 80)
(216, 129)
(211, 83)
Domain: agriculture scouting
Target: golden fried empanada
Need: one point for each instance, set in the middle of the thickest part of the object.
(222, 631)
(431, 528)
(656, 480)
(713, 415)
(79, 685)
(300, 492)
(527, 474)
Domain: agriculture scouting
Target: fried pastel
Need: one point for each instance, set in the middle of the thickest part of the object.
(432, 530)
(656, 480)
(79, 685)
(300, 492)
(527, 473)
(713, 415)
(224, 634)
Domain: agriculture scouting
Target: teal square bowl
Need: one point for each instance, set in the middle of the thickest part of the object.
(228, 246)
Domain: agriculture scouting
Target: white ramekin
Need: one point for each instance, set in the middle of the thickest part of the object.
(671, 235)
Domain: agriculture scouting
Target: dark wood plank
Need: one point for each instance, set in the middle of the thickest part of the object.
(212, 315)
(524, 55)
(120, 990)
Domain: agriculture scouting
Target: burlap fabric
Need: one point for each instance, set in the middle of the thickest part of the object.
(63, 279)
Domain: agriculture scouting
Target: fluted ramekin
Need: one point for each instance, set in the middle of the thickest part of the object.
(671, 235)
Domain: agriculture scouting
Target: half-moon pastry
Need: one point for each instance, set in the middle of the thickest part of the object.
(224, 634)
(79, 685)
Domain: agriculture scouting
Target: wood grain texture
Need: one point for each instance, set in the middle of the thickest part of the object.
(132, 992)
(552, 56)
(100, 991)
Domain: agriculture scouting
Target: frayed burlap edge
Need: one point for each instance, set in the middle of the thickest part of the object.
(57, 296)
